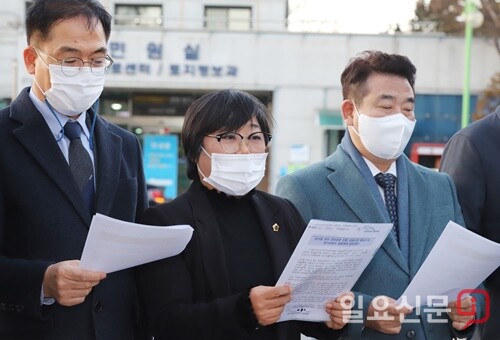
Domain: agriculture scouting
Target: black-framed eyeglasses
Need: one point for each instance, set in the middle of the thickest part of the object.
(71, 66)
(230, 142)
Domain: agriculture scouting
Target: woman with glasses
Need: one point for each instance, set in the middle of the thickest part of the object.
(222, 285)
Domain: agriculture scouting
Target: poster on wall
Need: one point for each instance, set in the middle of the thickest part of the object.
(298, 157)
(161, 162)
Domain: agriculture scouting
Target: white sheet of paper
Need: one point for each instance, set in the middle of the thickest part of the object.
(328, 260)
(114, 245)
(459, 260)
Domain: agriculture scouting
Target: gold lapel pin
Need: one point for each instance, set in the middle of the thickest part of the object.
(276, 227)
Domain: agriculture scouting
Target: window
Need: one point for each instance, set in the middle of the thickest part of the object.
(139, 15)
(228, 18)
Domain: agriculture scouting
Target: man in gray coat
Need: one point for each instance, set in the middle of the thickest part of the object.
(369, 179)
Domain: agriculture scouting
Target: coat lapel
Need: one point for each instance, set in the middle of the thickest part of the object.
(210, 243)
(107, 153)
(420, 216)
(349, 182)
(278, 245)
(35, 136)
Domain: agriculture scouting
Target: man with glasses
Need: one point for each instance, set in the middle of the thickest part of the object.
(60, 163)
(72, 66)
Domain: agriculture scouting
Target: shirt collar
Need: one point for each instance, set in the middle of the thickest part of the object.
(374, 170)
(52, 121)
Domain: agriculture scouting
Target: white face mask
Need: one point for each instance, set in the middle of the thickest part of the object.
(73, 95)
(235, 174)
(385, 137)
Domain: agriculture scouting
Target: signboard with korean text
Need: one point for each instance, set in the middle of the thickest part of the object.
(161, 162)
(183, 58)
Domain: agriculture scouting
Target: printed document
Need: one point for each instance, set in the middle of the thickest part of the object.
(459, 261)
(114, 245)
(328, 260)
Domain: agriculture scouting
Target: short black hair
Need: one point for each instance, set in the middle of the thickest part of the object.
(366, 63)
(225, 111)
(43, 14)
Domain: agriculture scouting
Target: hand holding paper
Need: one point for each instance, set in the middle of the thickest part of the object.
(385, 315)
(339, 310)
(268, 302)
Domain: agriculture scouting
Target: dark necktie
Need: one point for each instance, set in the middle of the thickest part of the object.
(388, 183)
(80, 164)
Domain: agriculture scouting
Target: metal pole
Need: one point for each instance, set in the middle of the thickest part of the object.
(468, 10)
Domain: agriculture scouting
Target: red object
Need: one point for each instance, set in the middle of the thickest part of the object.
(466, 292)
(427, 154)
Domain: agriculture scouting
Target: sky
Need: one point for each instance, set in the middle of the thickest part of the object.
(350, 16)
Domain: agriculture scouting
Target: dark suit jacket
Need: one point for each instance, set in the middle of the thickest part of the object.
(43, 221)
(188, 296)
(472, 158)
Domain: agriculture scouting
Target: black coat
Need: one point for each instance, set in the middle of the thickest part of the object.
(42, 222)
(188, 296)
(472, 158)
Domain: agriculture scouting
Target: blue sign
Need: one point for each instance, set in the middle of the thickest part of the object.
(161, 161)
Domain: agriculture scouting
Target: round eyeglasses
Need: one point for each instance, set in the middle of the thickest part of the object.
(71, 66)
(230, 142)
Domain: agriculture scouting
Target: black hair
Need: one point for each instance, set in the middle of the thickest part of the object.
(224, 111)
(43, 14)
(366, 63)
